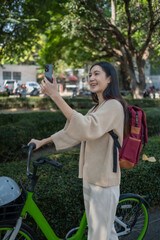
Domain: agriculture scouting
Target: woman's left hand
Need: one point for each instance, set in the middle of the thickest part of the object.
(50, 89)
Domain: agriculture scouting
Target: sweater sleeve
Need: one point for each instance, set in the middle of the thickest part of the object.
(62, 140)
(95, 125)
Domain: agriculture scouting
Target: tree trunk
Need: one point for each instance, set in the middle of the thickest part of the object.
(135, 86)
(124, 78)
(135, 72)
(113, 12)
(137, 92)
(141, 73)
(141, 83)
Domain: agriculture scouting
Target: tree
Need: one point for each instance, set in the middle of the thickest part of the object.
(22, 24)
(16, 36)
(126, 30)
(82, 31)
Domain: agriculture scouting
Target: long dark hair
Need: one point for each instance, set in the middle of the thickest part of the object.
(112, 91)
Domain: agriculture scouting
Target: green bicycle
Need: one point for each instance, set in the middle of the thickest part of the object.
(131, 220)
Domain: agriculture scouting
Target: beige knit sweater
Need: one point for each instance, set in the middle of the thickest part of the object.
(96, 153)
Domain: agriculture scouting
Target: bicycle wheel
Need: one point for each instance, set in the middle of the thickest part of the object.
(131, 220)
(25, 232)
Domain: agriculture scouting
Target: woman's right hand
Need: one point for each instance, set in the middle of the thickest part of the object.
(39, 143)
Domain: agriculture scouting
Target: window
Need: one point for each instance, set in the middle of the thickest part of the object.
(16, 75)
(6, 75)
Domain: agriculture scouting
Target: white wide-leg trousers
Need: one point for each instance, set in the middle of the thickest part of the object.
(100, 204)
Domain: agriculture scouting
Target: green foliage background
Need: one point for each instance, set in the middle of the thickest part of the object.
(17, 129)
(61, 190)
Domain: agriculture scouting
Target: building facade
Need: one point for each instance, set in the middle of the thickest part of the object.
(28, 73)
(20, 73)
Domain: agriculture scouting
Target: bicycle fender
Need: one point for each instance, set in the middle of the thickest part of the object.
(132, 195)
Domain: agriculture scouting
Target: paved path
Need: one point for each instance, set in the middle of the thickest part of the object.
(15, 110)
(153, 232)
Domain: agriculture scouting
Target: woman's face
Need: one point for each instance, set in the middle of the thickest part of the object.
(98, 81)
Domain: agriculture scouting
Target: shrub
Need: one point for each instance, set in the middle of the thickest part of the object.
(18, 129)
(144, 103)
(42, 103)
(153, 120)
(3, 94)
(76, 103)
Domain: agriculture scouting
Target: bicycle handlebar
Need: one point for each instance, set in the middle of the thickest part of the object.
(40, 160)
(31, 147)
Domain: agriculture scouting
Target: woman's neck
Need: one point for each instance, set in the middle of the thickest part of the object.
(100, 99)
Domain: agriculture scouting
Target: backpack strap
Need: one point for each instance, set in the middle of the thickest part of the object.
(115, 146)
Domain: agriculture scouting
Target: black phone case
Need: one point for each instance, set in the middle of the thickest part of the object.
(49, 72)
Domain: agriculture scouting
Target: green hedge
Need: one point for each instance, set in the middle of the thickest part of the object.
(59, 192)
(3, 94)
(18, 129)
(76, 103)
(153, 120)
(144, 103)
(42, 103)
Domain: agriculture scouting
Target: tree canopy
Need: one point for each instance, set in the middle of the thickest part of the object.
(125, 32)
(128, 31)
(22, 25)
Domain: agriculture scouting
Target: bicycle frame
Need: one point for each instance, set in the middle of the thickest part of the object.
(121, 223)
(31, 208)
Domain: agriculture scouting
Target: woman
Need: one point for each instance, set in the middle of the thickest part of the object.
(100, 183)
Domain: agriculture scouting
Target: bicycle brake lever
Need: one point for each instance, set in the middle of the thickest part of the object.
(24, 146)
(49, 161)
(54, 163)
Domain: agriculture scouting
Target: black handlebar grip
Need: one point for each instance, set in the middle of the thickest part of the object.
(32, 146)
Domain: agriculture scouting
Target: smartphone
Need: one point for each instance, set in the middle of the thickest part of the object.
(49, 72)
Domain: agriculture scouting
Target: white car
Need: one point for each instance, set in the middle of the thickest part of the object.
(8, 86)
(30, 86)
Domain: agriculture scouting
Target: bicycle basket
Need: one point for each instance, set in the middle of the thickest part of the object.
(12, 210)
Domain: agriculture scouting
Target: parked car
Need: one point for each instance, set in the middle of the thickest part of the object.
(30, 86)
(8, 86)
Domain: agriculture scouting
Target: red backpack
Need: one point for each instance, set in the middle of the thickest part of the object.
(132, 144)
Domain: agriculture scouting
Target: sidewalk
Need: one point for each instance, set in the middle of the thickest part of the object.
(153, 232)
(15, 110)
